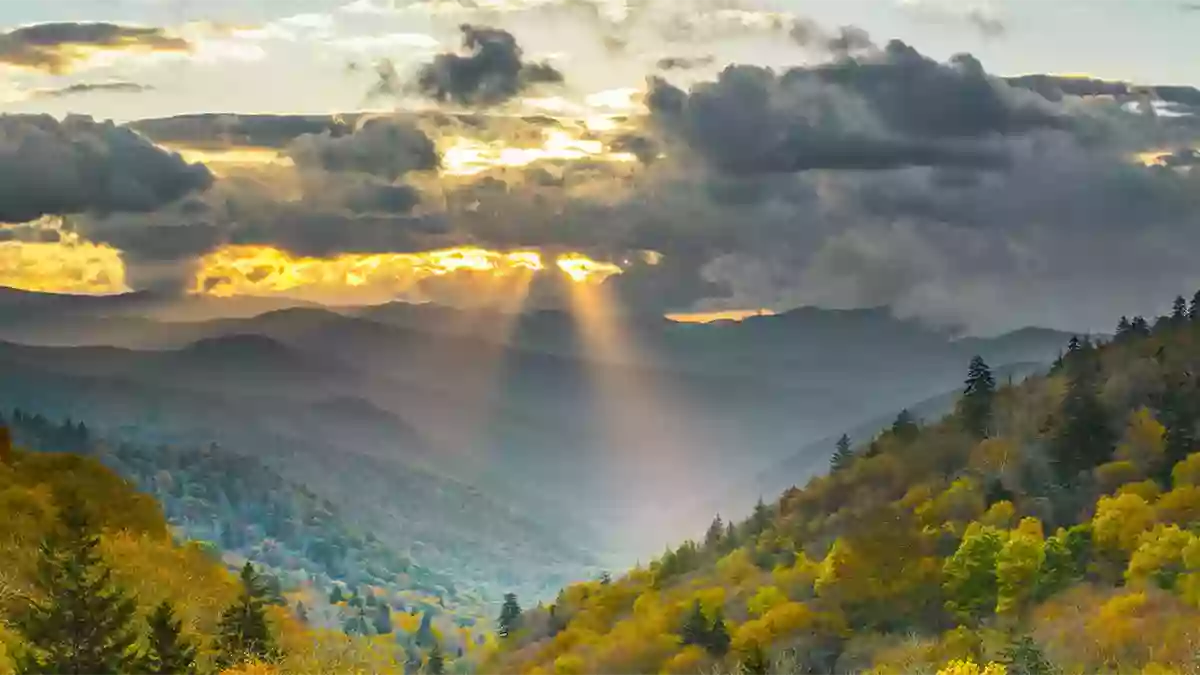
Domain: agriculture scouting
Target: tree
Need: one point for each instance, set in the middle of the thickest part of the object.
(975, 406)
(1179, 411)
(1194, 310)
(716, 531)
(718, 636)
(79, 621)
(510, 616)
(243, 632)
(1139, 326)
(1084, 438)
(436, 665)
(1123, 327)
(760, 518)
(842, 455)
(1023, 657)
(1179, 310)
(335, 595)
(904, 427)
(169, 653)
(694, 630)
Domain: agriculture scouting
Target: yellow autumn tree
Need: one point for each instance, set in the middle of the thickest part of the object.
(1120, 521)
(1143, 443)
(1017, 566)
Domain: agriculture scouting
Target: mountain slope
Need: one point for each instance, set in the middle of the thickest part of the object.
(1064, 539)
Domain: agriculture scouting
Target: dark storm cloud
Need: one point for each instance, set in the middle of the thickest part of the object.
(55, 47)
(1055, 87)
(78, 164)
(892, 110)
(93, 87)
(492, 72)
(223, 130)
(384, 147)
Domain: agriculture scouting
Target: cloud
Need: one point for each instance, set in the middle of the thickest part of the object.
(384, 147)
(119, 87)
(78, 165)
(492, 72)
(59, 47)
(218, 130)
(891, 110)
(684, 62)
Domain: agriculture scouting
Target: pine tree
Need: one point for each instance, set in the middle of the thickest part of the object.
(436, 665)
(1024, 657)
(335, 595)
(1179, 310)
(760, 518)
(1084, 438)
(904, 427)
(1179, 412)
(718, 637)
(1123, 328)
(842, 454)
(716, 531)
(510, 616)
(79, 622)
(169, 653)
(243, 632)
(1194, 309)
(694, 630)
(1139, 326)
(975, 406)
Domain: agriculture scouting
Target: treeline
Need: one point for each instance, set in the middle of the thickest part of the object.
(244, 508)
(1051, 525)
(94, 582)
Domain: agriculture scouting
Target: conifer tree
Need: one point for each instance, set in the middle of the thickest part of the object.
(1139, 326)
(694, 630)
(243, 632)
(1194, 309)
(842, 454)
(716, 531)
(1123, 328)
(510, 616)
(904, 427)
(1179, 310)
(760, 518)
(1084, 438)
(169, 652)
(975, 406)
(79, 622)
(718, 636)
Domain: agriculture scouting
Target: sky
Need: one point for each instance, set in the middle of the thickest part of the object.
(689, 156)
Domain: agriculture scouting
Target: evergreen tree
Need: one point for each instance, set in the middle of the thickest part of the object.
(243, 632)
(731, 538)
(694, 630)
(1139, 326)
(1023, 657)
(79, 621)
(842, 454)
(975, 406)
(1194, 310)
(1123, 328)
(716, 531)
(1179, 310)
(904, 427)
(336, 596)
(718, 637)
(1084, 438)
(760, 518)
(169, 652)
(510, 616)
(436, 665)
(1179, 411)
(754, 661)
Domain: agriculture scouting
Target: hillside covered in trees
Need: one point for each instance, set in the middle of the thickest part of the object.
(1046, 526)
(81, 548)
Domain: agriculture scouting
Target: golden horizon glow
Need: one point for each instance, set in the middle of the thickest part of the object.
(68, 266)
(582, 269)
(462, 156)
(218, 159)
(717, 315)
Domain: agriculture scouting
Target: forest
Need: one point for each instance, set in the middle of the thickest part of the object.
(1050, 525)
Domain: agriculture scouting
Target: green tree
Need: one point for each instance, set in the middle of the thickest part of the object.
(718, 636)
(975, 405)
(694, 630)
(510, 616)
(1179, 310)
(716, 532)
(760, 518)
(243, 632)
(905, 427)
(1179, 411)
(842, 454)
(169, 652)
(1194, 309)
(1084, 439)
(1024, 657)
(970, 574)
(79, 621)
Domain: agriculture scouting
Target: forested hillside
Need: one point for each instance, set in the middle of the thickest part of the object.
(1051, 525)
(79, 544)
